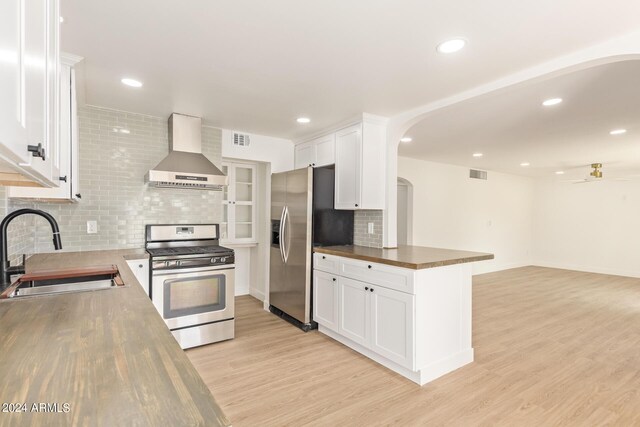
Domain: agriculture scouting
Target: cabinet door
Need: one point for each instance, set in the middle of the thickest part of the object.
(140, 268)
(37, 39)
(13, 131)
(305, 155)
(244, 203)
(348, 167)
(325, 299)
(325, 150)
(353, 314)
(392, 314)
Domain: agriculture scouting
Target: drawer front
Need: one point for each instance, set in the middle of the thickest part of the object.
(327, 263)
(400, 279)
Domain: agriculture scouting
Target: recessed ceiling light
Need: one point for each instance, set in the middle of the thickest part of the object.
(451, 46)
(477, 154)
(552, 101)
(618, 132)
(406, 139)
(303, 120)
(525, 164)
(559, 172)
(61, 19)
(131, 82)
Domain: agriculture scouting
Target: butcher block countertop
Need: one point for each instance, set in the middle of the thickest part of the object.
(412, 257)
(96, 358)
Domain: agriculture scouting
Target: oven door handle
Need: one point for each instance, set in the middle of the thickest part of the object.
(286, 247)
(281, 235)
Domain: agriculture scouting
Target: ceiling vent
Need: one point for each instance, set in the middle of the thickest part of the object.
(241, 139)
(477, 174)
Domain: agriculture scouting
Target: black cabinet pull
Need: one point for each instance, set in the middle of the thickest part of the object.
(368, 266)
(79, 196)
(366, 288)
(356, 205)
(36, 150)
(63, 178)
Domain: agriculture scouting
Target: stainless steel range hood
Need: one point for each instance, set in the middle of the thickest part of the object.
(186, 166)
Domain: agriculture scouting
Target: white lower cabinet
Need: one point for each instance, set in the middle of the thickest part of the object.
(140, 269)
(325, 297)
(354, 321)
(418, 324)
(392, 318)
(375, 317)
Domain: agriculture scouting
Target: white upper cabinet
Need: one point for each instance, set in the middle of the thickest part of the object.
(360, 165)
(66, 158)
(29, 67)
(317, 152)
(239, 203)
(305, 155)
(348, 168)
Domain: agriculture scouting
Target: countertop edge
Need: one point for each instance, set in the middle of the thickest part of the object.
(405, 264)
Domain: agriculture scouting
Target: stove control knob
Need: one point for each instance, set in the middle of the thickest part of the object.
(178, 263)
(223, 259)
(167, 264)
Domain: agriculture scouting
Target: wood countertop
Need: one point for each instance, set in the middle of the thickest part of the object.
(412, 257)
(106, 353)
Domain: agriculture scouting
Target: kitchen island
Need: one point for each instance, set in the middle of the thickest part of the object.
(96, 358)
(408, 308)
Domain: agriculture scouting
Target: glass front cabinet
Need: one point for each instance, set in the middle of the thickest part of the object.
(239, 204)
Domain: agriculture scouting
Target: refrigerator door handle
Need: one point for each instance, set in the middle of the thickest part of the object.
(286, 233)
(281, 237)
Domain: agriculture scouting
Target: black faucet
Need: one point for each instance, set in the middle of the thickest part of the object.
(5, 270)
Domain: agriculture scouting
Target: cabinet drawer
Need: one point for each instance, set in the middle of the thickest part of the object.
(400, 279)
(328, 263)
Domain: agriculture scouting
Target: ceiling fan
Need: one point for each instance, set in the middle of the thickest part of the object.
(595, 175)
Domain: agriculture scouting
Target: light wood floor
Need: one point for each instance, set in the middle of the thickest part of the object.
(553, 347)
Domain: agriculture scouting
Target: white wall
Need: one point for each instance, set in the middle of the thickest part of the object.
(589, 227)
(277, 151)
(453, 211)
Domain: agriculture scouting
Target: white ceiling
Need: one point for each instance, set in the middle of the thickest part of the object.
(257, 65)
(512, 126)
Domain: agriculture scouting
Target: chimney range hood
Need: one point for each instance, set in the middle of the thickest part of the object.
(186, 166)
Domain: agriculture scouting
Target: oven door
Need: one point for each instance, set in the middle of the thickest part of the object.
(192, 297)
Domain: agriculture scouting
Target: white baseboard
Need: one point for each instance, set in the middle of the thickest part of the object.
(420, 377)
(257, 294)
(588, 269)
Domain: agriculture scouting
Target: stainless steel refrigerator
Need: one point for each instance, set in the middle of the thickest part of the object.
(302, 216)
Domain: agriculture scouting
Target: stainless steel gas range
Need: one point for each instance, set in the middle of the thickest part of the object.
(192, 282)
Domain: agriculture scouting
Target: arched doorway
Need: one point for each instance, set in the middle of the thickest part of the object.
(405, 212)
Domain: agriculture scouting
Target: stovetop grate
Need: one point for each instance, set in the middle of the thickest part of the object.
(189, 250)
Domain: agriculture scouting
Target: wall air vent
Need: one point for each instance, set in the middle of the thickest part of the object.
(477, 174)
(241, 139)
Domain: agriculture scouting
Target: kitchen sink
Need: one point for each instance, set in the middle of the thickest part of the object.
(65, 281)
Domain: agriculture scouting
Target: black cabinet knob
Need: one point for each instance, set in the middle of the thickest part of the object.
(334, 279)
(368, 266)
(371, 289)
(356, 205)
(63, 178)
(324, 257)
(139, 265)
(366, 288)
(79, 196)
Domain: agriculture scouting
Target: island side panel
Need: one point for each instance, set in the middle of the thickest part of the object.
(443, 320)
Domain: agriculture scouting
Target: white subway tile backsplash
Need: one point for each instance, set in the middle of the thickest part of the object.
(112, 169)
